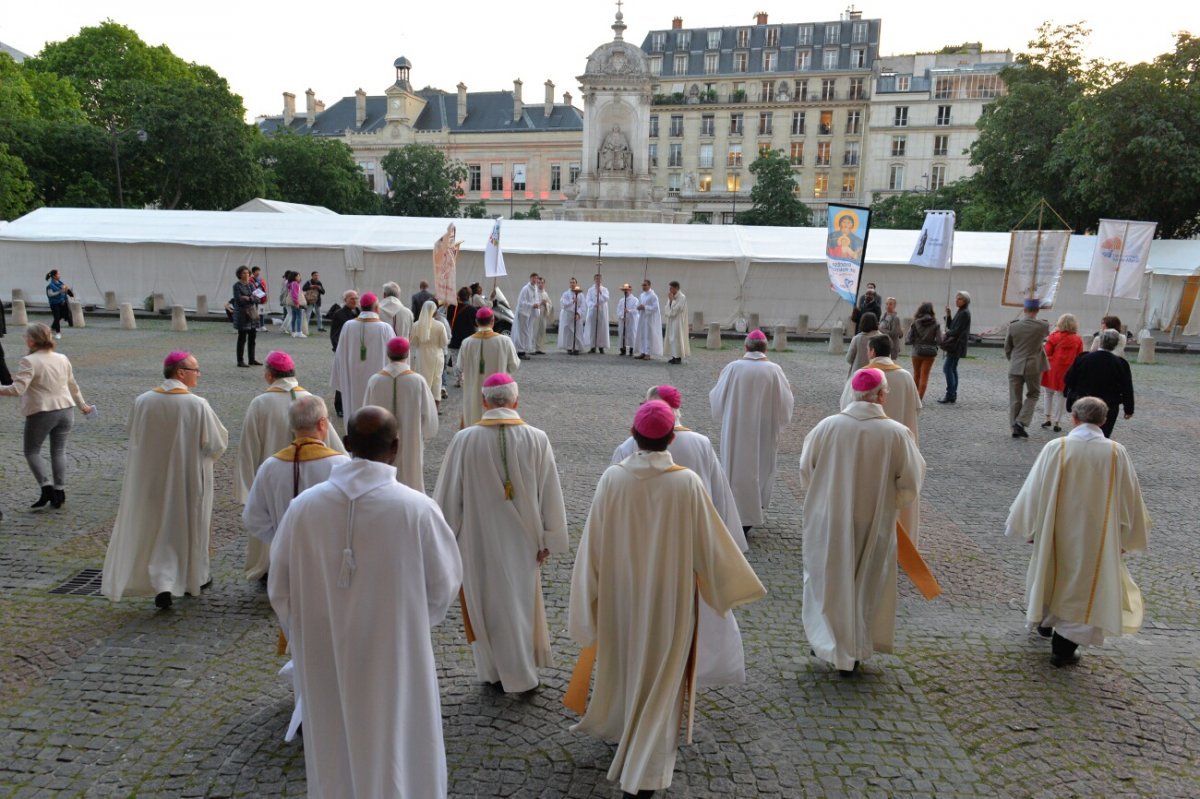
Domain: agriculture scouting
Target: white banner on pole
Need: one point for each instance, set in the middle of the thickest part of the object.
(1119, 261)
(493, 258)
(935, 246)
(1035, 264)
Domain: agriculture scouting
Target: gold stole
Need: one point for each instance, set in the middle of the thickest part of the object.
(161, 390)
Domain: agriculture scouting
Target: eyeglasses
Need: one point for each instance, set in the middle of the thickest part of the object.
(189, 369)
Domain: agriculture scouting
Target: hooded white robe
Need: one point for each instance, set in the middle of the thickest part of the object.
(752, 401)
(649, 338)
(857, 467)
(482, 354)
(627, 318)
(427, 353)
(522, 329)
(405, 393)
(500, 538)
(678, 343)
(396, 313)
(160, 538)
(595, 319)
(361, 352)
(361, 645)
(570, 329)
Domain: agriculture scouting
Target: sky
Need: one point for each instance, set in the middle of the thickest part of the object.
(264, 49)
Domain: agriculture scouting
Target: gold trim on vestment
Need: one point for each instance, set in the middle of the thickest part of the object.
(1112, 475)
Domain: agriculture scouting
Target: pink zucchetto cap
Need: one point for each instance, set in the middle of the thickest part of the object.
(654, 419)
(176, 357)
(866, 379)
(498, 379)
(397, 347)
(756, 335)
(669, 395)
(280, 361)
(483, 314)
(368, 300)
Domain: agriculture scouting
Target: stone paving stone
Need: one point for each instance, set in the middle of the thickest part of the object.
(101, 699)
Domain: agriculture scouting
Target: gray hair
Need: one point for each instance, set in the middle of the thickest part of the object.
(1090, 410)
(306, 412)
(871, 393)
(391, 289)
(1109, 339)
(502, 396)
(964, 295)
(346, 294)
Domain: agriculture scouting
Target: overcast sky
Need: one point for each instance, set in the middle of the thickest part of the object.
(264, 48)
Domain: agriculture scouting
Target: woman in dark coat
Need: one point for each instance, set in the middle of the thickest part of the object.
(245, 317)
(958, 330)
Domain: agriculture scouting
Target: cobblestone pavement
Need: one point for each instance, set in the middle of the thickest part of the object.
(101, 699)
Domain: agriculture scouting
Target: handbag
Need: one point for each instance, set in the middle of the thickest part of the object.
(949, 344)
(312, 296)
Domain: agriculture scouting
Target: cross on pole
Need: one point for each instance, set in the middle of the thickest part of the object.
(599, 244)
(619, 6)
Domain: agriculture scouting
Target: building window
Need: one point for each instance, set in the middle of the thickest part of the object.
(714, 40)
(943, 115)
(683, 40)
(681, 64)
(797, 153)
(735, 155)
(706, 156)
(856, 89)
(733, 182)
(804, 35)
(903, 82)
(676, 124)
(823, 150)
(900, 118)
(555, 177)
(518, 179)
(653, 126)
(896, 177)
(943, 89)
(854, 122)
(673, 182)
(705, 183)
(804, 60)
(727, 218)
(656, 65)
(653, 154)
(858, 58)
(675, 155)
(735, 124)
(802, 91)
(770, 60)
(828, 89)
(712, 63)
(497, 177)
(937, 177)
(797, 123)
(772, 37)
(829, 58)
(741, 61)
(474, 177)
(573, 174)
(833, 33)
(849, 186)
(826, 125)
(850, 156)
(899, 146)
(707, 125)
(858, 34)
(658, 41)
(941, 145)
(821, 185)
(743, 37)
(702, 217)
(766, 123)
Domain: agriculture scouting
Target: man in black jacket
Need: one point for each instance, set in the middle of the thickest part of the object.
(314, 290)
(1105, 375)
(958, 330)
(337, 321)
(419, 299)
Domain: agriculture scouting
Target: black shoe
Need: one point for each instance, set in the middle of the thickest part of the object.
(601, 350)
(163, 600)
(1065, 652)
(849, 672)
(1045, 632)
(1019, 431)
(945, 401)
(522, 356)
(622, 350)
(746, 528)
(45, 498)
(539, 352)
(592, 351)
(255, 363)
(243, 365)
(1058, 661)
(60, 496)
(1057, 429)
(1046, 423)
(209, 583)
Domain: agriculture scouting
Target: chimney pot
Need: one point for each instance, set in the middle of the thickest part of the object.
(761, 16)
(289, 108)
(566, 98)
(549, 98)
(677, 23)
(360, 108)
(518, 104)
(310, 105)
(462, 102)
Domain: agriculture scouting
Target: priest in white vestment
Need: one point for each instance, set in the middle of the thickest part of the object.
(596, 335)
(526, 312)
(362, 568)
(159, 544)
(484, 353)
(500, 494)
(753, 402)
(902, 403)
(858, 467)
(648, 339)
(395, 311)
(678, 344)
(627, 316)
(570, 319)
(1081, 508)
(361, 352)
(720, 656)
(404, 394)
(542, 312)
(428, 345)
(265, 430)
(652, 543)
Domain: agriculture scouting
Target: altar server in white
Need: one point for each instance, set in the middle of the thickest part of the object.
(159, 544)
(542, 312)
(361, 352)
(678, 345)
(753, 401)
(649, 339)
(404, 394)
(627, 316)
(596, 334)
(362, 567)
(484, 353)
(500, 494)
(394, 311)
(523, 332)
(570, 319)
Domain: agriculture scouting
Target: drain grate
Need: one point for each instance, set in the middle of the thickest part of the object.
(86, 583)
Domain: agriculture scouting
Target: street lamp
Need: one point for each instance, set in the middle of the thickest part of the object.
(117, 134)
(737, 185)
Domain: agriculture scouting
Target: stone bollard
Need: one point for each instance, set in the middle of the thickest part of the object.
(178, 319)
(714, 336)
(304, 321)
(802, 325)
(837, 343)
(18, 294)
(752, 322)
(698, 320)
(159, 303)
(780, 342)
(110, 300)
(201, 305)
(18, 311)
(127, 320)
(1146, 348)
(76, 308)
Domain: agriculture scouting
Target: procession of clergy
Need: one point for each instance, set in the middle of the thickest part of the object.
(361, 563)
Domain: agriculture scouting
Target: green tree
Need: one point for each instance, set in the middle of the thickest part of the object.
(69, 164)
(534, 212)
(16, 189)
(314, 171)
(475, 210)
(773, 194)
(423, 182)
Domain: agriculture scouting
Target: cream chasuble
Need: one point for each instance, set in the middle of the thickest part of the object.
(405, 393)
(393, 311)
(361, 352)
(485, 353)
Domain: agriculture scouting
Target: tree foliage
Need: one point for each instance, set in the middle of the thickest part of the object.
(423, 182)
(534, 212)
(475, 210)
(313, 171)
(773, 194)
(16, 189)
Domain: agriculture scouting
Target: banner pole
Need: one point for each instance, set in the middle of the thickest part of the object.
(1117, 269)
(1037, 254)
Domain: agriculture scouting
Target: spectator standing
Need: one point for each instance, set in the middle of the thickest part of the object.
(1063, 346)
(856, 353)
(867, 303)
(1111, 323)
(954, 343)
(260, 283)
(889, 323)
(57, 293)
(314, 290)
(246, 314)
(924, 336)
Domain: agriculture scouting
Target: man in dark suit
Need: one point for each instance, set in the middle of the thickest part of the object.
(1105, 375)
(419, 299)
(1026, 362)
(337, 320)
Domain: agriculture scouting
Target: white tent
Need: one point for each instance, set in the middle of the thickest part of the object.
(260, 205)
(726, 271)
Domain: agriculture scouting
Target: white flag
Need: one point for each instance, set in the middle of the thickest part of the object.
(493, 258)
(935, 246)
(1035, 264)
(1122, 250)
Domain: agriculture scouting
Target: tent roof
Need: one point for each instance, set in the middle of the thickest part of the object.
(262, 205)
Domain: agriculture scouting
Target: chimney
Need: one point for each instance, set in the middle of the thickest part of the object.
(854, 13)
(518, 105)
(360, 108)
(310, 98)
(677, 24)
(567, 99)
(549, 98)
(289, 108)
(320, 106)
(761, 17)
(462, 102)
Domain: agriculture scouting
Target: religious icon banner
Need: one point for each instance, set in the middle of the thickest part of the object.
(445, 266)
(493, 257)
(1035, 264)
(1122, 251)
(845, 248)
(935, 246)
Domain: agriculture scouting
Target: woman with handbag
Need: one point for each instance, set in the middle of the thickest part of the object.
(245, 316)
(924, 336)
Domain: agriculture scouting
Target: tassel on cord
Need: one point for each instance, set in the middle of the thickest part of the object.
(348, 565)
(362, 343)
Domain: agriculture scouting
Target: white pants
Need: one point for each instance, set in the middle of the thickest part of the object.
(1054, 403)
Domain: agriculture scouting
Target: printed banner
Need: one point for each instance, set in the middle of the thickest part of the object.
(845, 248)
(1122, 251)
(1035, 264)
(493, 258)
(445, 266)
(935, 246)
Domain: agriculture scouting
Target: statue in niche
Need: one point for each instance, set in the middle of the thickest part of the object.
(781, 92)
(689, 181)
(614, 151)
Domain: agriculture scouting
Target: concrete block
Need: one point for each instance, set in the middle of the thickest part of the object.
(201, 305)
(127, 320)
(698, 320)
(304, 322)
(19, 317)
(752, 322)
(110, 300)
(779, 343)
(714, 336)
(159, 303)
(76, 309)
(18, 294)
(837, 341)
(802, 325)
(1146, 350)
(178, 319)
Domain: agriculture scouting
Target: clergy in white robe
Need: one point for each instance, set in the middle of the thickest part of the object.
(362, 567)
(678, 344)
(428, 349)
(627, 316)
(858, 468)
(484, 353)
(570, 319)
(652, 544)
(753, 401)
(542, 313)
(500, 494)
(159, 544)
(596, 335)
(902, 403)
(265, 430)
(1081, 508)
(361, 352)
(526, 312)
(648, 339)
(395, 311)
(406, 396)
(720, 656)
